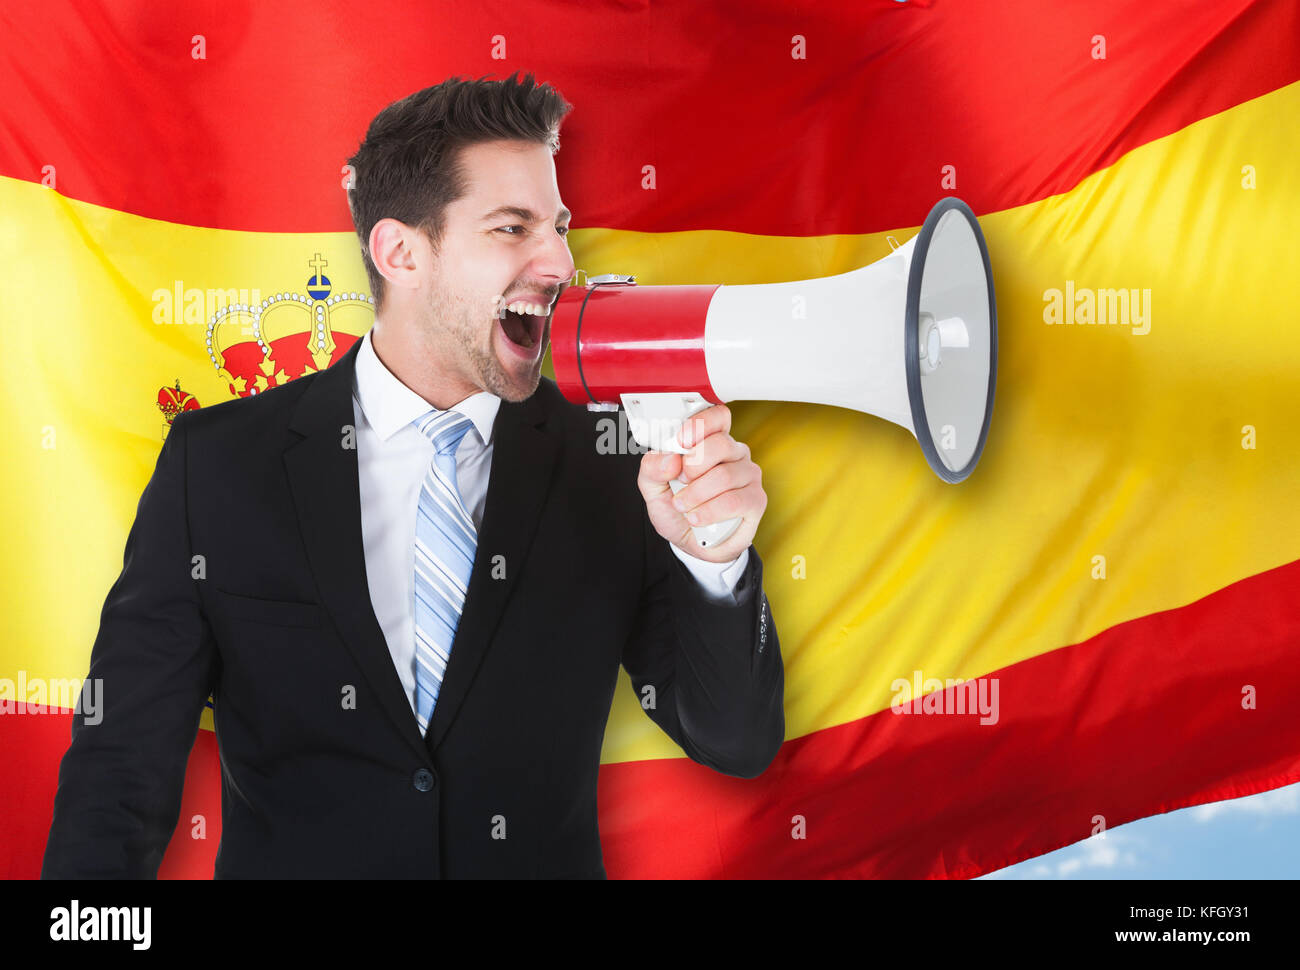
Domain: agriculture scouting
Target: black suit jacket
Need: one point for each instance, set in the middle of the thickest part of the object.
(244, 576)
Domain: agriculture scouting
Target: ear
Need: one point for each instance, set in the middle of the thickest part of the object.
(393, 250)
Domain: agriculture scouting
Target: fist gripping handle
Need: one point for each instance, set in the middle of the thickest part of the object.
(656, 421)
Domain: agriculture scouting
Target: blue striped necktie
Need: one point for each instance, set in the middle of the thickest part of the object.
(445, 540)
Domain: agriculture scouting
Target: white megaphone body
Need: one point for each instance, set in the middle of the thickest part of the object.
(911, 338)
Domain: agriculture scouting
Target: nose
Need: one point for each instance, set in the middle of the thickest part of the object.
(553, 261)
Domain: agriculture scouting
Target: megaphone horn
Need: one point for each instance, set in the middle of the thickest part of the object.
(911, 338)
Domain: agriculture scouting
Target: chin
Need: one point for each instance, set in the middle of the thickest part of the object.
(511, 385)
(514, 394)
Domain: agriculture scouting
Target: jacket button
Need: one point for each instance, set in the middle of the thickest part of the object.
(423, 779)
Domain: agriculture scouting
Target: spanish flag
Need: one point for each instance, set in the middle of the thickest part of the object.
(1102, 623)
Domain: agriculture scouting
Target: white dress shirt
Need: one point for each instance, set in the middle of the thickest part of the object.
(393, 457)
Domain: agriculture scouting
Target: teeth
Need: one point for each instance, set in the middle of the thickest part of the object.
(532, 309)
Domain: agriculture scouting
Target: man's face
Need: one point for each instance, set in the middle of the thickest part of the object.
(504, 243)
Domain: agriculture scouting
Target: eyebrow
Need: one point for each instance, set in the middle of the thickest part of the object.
(523, 214)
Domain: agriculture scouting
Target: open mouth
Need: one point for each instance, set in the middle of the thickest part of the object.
(522, 329)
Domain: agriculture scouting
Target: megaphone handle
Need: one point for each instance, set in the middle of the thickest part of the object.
(708, 535)
(656, 419)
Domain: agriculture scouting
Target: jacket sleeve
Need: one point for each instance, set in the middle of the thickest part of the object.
(154, 662)
(715, 668)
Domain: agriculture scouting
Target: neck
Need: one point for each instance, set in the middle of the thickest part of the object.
(418, 365)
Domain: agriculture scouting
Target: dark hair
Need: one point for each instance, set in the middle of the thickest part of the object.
(408, 167)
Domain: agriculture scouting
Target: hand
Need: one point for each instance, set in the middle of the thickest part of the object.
(721, 483)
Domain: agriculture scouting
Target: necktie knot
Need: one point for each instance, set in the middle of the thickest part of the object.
(445, 429)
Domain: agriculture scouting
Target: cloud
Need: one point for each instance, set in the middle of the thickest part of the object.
(1279, 801)
(1117, 850)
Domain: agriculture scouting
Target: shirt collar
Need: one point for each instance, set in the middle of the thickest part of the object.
(389, 405)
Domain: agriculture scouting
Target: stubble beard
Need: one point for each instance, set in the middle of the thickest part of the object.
(473, 336)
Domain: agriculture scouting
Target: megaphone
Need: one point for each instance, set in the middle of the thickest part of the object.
(911, 338)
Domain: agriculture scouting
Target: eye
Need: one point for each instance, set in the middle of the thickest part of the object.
(562, 230)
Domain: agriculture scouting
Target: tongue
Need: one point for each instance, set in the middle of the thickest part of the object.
(517, 329)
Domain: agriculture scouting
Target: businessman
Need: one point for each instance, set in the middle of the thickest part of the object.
(409, 580)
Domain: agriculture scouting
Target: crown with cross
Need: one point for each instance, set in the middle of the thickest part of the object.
(257, 346)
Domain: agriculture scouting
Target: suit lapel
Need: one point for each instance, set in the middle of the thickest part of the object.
(523, 457)
(326, 489)
(324, 481)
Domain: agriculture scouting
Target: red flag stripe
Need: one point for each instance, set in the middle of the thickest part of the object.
(743, 136)
(1144, 718)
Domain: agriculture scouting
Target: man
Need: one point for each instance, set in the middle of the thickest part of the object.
(409, 580)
